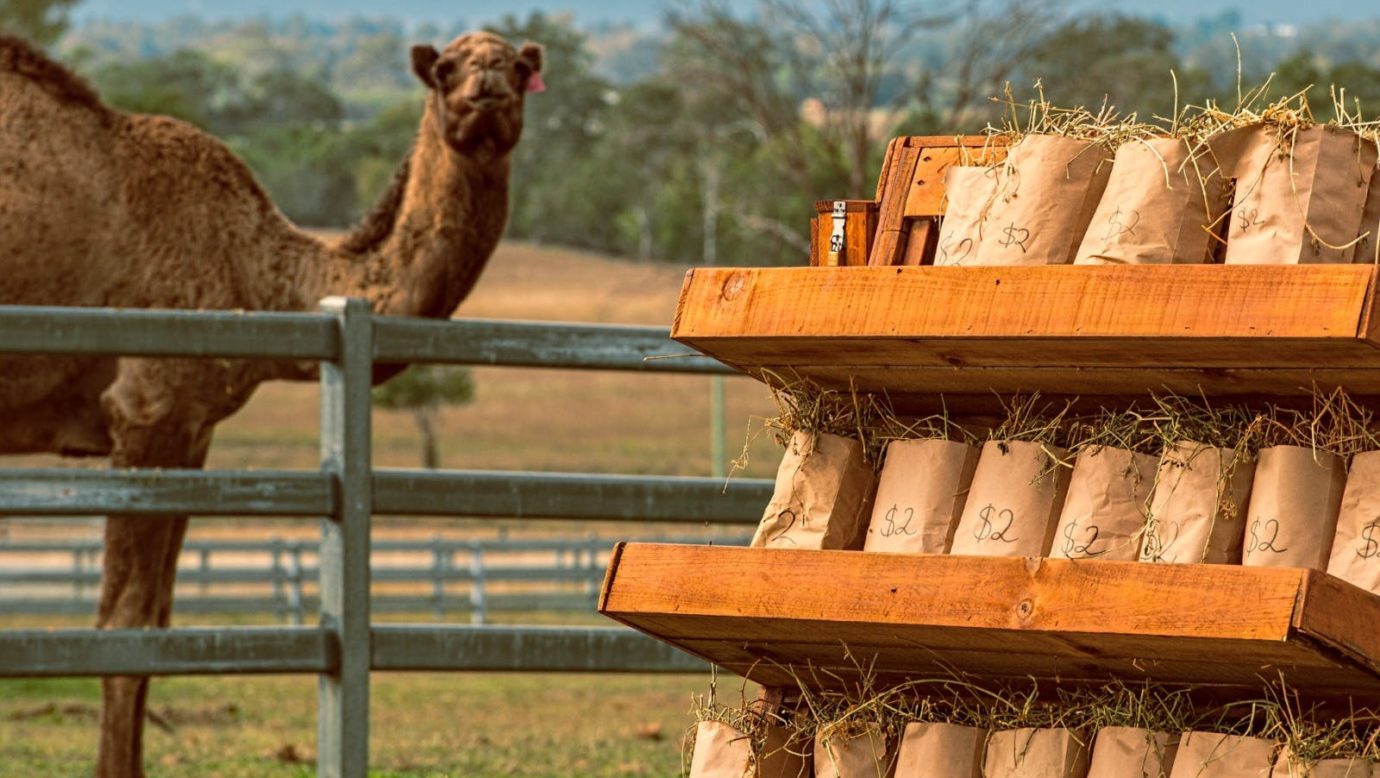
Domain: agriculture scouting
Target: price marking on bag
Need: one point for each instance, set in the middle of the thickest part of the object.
(1370, 546)
(1118, 224)
(986, 531)
(891, 529)
(954, 250)
(1011, 235)
(1261, 543)
(1072, 548)
(781, 535)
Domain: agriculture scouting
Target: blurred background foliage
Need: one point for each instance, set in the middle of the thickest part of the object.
(725, 118)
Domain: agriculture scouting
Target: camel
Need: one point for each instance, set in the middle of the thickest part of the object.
(103, 208)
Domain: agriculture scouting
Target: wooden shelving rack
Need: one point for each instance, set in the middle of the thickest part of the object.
(958, 338)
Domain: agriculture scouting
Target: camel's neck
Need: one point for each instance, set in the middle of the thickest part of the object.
(421, 252)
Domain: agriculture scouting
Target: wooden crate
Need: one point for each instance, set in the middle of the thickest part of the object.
(1104, 333)
(776, 616)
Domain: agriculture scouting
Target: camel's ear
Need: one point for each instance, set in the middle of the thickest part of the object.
(423, 60)
(530, 57)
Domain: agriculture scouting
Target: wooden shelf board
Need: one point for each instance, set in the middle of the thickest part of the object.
(1228, 331)
(775, 615)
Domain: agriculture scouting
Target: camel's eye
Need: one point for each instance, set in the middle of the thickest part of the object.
(444, 70)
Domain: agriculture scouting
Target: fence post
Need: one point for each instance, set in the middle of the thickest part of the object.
(205, 571)
(478, 599)
(438, 578)
(343, 726)
(78, 571)
(297, 609)
(280, 601)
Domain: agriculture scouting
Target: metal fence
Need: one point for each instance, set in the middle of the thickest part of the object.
(277, 576)
(345, 647)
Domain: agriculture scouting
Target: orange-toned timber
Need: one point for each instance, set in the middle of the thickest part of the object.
(910, 192)
(1097, 331)
(778, 615)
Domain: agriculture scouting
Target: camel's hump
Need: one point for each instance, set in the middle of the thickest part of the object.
(21, 58)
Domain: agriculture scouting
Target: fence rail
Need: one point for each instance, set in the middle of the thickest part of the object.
(348, 340)
(498, 575)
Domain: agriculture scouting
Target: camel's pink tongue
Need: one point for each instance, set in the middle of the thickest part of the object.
(535, 84)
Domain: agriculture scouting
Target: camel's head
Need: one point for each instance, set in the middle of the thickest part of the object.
(477, 87)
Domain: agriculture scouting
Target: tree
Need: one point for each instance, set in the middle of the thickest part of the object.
(41, 21)
(1077, 62)
(423, 390)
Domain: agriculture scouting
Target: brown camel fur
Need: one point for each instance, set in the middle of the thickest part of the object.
(102, 208)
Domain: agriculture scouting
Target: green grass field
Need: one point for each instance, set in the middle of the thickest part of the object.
(428, 724)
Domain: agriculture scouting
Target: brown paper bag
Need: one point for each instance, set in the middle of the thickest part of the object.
(968, 192)
(1014, 501)
(1293, 512)
(784, 755)
(1047, 191)
(721, 752)
(867, 755)
(920, 496)
(1288, 766)
(1291, 204)
(1210, 755)
(1157, 208)
(1128, 752)
(1355, 553)
(1104, 512)
(822, 498)
(1368, 250)
(1197, 513)
(1036, 753)
(938, 750)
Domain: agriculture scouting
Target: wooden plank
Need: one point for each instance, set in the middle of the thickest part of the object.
(922, 234)
(1148, 301)
(1113, 330)
(888, 244)
(925, 195)
(770, 613)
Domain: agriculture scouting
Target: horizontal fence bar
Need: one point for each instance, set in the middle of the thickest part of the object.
(160, 333)
(230, 575)
(283, 650)
(309, 547)
(473, 493)
(453, 602)
(194, 651)
(537, 344)
(65, 492)
(526, 649)
(518, 495)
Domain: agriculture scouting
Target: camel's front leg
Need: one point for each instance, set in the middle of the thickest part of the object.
(136, 592)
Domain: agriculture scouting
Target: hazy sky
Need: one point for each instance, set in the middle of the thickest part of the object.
(649, 11)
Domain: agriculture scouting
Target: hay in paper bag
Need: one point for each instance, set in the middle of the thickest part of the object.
(1289, 766)
(1197, 509)
(1214, 755)
(1014, 501)
(1036, 753)
(968, 194)
(1292, 516)
(783, 754)
(1300, 189)
(1355, 553)
(1019, 486)
(1162, 196)
(1131, 752)
(721, 751)
(1104, 513)
(920, 496)
(1368, 249)
(823, 495)
(1047, 191)
(865, 754)
(941, 750)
